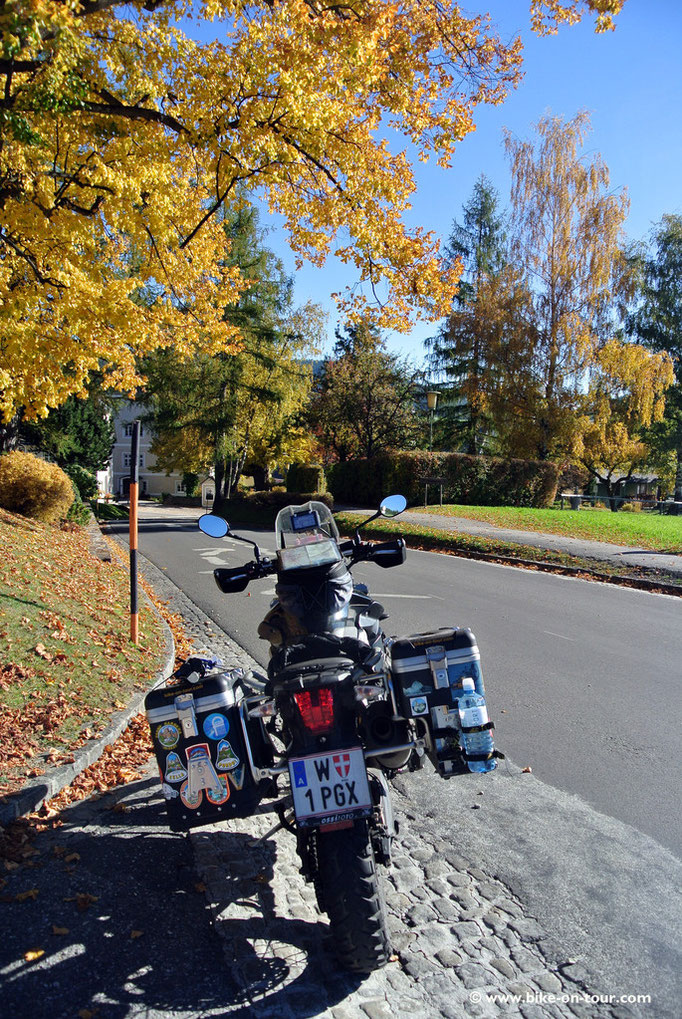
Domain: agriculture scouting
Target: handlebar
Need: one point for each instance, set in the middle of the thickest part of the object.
(383, 553)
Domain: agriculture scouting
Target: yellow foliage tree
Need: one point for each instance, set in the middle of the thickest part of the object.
(567, 243)
(547, 15)
(122, 137)
(626, 395)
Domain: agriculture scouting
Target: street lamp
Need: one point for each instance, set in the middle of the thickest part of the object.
(431, 403)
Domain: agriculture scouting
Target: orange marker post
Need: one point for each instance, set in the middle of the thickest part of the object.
(134, 485)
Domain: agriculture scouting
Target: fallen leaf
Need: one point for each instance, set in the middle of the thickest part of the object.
(33, 954)
(71, 857)
(527, 770)
(32, 893)
(200, 887)
(136, 934)
(59, 930)
(84, 900)
(87, 1013)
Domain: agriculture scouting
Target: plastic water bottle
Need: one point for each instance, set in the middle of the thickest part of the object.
(473, 711)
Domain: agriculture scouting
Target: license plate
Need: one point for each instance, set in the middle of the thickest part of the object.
(330, 788)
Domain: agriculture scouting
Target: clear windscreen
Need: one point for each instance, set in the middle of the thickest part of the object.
(309, 524)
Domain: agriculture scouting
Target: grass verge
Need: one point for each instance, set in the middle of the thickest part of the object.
(473, 546)
(646, 530)
(66, 661)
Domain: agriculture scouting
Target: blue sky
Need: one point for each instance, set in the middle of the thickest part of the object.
(631, 82)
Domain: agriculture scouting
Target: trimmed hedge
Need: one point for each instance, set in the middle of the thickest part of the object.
(277, 499)
(306, 478)
(467, 480)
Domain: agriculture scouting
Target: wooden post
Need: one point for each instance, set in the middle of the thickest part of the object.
(134, 484)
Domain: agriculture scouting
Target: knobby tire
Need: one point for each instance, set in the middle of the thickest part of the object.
(353, 899)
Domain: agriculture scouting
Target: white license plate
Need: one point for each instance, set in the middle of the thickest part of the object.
(330, 788)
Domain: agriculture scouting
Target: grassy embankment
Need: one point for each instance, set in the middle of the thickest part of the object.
(66, 661)
(459, 543)
(640, 530)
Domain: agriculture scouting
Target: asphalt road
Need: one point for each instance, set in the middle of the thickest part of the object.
(583, 679)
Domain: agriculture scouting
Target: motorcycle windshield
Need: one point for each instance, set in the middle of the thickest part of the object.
(313, 584)
(309, 524)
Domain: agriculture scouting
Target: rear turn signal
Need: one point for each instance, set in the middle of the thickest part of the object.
(317, 709)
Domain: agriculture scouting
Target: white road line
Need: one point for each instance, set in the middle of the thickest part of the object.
(563, 636)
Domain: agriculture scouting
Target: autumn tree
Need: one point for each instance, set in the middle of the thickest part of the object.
(657, 323)
(365, 398)
(218, 413)
(462, 352)
(625, 396)
(120, 134)
(566, 239)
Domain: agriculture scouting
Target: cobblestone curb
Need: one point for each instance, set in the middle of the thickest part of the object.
(465, 944)
(32, 796)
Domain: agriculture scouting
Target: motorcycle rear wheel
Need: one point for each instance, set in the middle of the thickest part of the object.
(351, 892)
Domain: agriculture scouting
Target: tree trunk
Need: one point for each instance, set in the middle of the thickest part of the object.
(261, 479)
(9, 434)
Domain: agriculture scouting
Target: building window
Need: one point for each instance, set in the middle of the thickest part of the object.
(128, 429)
(179, 488)
(126, 460)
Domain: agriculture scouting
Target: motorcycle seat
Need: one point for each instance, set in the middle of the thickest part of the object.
(324, 669)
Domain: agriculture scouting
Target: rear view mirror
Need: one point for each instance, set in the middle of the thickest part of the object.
(213, 525)
(392, 505)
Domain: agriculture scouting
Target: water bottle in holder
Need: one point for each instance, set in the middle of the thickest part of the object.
(476, 729)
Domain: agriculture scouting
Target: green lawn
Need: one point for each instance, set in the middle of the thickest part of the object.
(648, 530)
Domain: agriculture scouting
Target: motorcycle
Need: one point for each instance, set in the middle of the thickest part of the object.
(341, 710)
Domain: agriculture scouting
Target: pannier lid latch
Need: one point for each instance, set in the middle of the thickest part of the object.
(438, 663)
(184, 705)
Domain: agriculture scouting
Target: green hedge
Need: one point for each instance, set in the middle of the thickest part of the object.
(261, 508)
(468, 480)
(306, 478)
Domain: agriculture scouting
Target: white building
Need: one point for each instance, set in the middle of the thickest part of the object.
(116, 479)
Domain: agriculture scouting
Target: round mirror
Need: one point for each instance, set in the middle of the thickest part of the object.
(213, 525)
(392, 505)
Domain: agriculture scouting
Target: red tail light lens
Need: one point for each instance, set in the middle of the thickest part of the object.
(317, 709)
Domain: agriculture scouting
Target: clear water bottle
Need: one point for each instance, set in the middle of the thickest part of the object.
(473, 711)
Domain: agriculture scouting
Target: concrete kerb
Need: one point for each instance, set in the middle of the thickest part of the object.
(32, 796)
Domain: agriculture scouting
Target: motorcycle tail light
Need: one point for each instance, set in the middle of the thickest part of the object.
(316, 708)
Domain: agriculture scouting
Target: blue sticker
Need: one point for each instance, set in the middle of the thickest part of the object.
(216, 726)
(300, 778)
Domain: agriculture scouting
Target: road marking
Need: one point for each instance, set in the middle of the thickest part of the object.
(563, 636)
(420, 597)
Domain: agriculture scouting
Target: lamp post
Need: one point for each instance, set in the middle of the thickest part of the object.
(432, 403)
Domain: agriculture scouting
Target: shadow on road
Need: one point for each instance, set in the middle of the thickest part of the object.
(111, 906)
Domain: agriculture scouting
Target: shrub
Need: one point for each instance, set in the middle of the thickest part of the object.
(631, 507)
(79, 512)
(84, 480)
(33, 487)
(468, 480)
(279, 498)
(306, 478)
